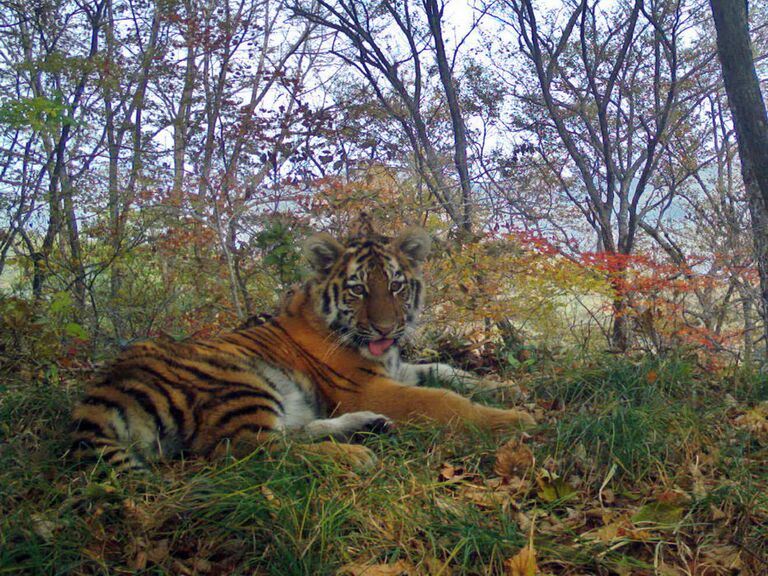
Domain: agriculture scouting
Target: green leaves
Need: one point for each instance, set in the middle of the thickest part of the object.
(39, 113)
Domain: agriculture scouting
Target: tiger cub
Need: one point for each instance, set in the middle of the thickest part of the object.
(328, 365)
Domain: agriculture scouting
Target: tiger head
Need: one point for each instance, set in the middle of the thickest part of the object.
(369, 290)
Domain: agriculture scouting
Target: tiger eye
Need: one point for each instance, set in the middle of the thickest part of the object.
(395, 286)
(357, 289)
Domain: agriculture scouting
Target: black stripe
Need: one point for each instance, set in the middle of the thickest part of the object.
(87, 425)
(116, 458)
(273, 386)
(189, 395)
(313, 365)
(214, 347)
(251, 428)
(255, 338)
(197, 372)
(265, 337)
(89, 445)
(177, 414)
(94, 400)
(327, 301)
(160, 356)
(222, 363)
(113, 453)
(416, 287)
(369, 371)
(244, 411)
(241, 393)
(216, 362)
(148, 405)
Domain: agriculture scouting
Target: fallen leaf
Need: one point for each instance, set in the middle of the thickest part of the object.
(554, 490)
(717, 557)
(399, 568)
(139, 562)
(270, 497)
(486, 498)
(451, 473)
(699, 488)
(662, 513)
(523, 563)
(159, 552)
(514, 459)
(619, 533)
(44, 527)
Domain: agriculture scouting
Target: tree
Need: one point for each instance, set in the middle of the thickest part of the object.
(751, 124)
(392, 46)
(606, 96)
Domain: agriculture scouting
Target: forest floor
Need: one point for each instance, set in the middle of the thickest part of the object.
(637, 467)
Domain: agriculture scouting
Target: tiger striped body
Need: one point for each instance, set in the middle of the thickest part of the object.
(328, 364)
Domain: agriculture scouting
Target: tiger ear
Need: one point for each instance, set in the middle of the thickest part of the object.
(414, 244)
(322, 251)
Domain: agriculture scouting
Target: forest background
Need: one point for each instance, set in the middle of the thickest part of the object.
(161, 163)
(575, 161)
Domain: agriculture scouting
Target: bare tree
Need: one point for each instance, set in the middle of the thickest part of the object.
(124, 91)
(608, 89)
(240, 59)
(40, 34)
(392, 46)
(751, 123)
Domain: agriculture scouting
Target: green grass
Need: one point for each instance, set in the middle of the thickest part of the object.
(633, 428)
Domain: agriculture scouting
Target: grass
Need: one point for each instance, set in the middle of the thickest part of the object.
(641, 468)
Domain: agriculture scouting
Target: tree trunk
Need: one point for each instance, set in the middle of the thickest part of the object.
(181, 121)
(759, 214)
(751, 124)
(620, 334)
(75, 248)
(743, 87)
(749, 326)
(434, 17)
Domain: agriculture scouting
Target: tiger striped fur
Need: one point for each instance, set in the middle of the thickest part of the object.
(327, 364)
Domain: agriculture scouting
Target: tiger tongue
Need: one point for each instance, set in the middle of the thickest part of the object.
(378, 347)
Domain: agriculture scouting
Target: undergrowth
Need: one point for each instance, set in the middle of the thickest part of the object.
(641, 467)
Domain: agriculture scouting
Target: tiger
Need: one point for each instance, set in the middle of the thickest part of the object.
(327, 367)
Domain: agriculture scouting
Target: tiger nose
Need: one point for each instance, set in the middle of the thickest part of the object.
(383, 328)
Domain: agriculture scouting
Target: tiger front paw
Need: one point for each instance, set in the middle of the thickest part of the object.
(356, 456)
(506, 419)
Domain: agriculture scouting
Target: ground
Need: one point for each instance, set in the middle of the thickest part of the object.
(639, 466)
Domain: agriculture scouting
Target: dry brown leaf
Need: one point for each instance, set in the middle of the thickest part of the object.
(448, 472)
(514, 459)
(451, 473)
(486, 498)
(270, 497)
(619, 532)
(159, 552)
(725, 556)
(399, 568)
(523, 563)
(139, 561)
(699, 488)
(44, 527)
